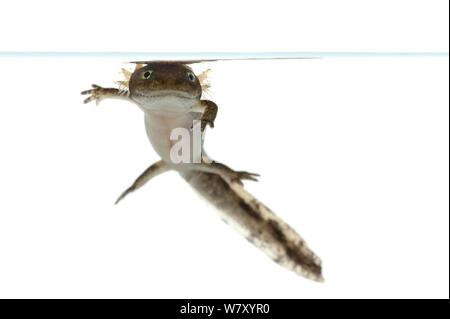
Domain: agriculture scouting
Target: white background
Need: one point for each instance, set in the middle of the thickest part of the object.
(353, 153)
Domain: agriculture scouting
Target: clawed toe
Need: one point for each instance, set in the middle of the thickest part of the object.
(95, 94)
(242, 175)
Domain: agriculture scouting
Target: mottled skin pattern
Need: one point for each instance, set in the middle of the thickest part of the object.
(169, 93)
(266, 232)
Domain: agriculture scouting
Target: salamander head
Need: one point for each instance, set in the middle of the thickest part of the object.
(165, 87)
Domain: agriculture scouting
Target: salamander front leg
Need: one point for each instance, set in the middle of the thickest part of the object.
(208, 109)
(98, 93)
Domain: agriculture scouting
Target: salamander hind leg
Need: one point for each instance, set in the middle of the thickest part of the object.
(154, 170)
(228, 174)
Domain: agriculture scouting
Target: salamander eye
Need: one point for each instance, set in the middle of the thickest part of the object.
(190, 76)
(147, 74)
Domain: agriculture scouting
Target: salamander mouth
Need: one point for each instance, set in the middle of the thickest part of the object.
(166, 93)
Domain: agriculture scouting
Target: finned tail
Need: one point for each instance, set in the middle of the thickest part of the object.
(258, 224)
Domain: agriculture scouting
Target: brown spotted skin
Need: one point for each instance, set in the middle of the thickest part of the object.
(257, 223)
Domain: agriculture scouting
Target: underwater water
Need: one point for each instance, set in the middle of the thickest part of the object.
(352, 149)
